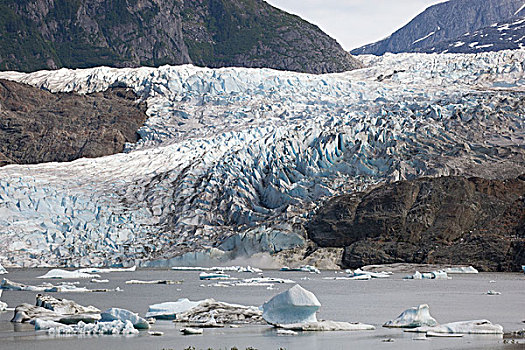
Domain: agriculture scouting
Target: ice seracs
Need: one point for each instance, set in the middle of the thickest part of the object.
(412, 318)
(124, 315)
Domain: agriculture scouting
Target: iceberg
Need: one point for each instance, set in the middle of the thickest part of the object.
(211, 313)
(213, 276)
(153, 282)
(3, 306)
(360, 272)
(460, 269)
(41, 324)
(304, 268)
(413, 317)
(64, 274)
(124, 316)
(296, 305)
(114, 327)
(169, 310)
(48, 288)
(3, 271)
(191, 331)
(63, 306)
(462, 327)
(26, 313)
(92, 270)
(326, 326)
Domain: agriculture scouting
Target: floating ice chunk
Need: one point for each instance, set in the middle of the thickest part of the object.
(296, 305)
(3, 271)
(213, 276)
(29, 313)
(416, 276)
(325, 326)
(360, 272)
(49, 288)
(3, 306)
(169, 310)
(124, 315)
(46, 324)
(153, 282)
(412, 318)
(63, 306)
(211, 313)
(94, 280)
(106, 270)
(460, 269)
(114, 327)
(191, 331)
(156, 333)
(463, 327)
(444, 335)
(440, 275)
(304, 268)
(59, 273)
(286, 332)
(493, 292)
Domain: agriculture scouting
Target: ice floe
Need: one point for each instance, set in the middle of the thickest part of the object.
(213, 276)
(114, 327)
(210, 313)
(63, 306)
(413, 317)
(3, 306)
(462, 327)
(45, 287)
(60, 273)
(304, 268)
(460, 269)
(153, 282)
(191, 331)
(169, 310)
(322, 326)
(124, 316)
(3, 271)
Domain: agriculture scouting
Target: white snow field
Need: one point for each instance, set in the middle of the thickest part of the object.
(232, 161)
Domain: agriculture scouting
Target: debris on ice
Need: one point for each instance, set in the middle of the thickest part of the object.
(413, 317)
(210, 312)
(63, 306)
(326, 326)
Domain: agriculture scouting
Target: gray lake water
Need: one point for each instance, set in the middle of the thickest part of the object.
(372, 302)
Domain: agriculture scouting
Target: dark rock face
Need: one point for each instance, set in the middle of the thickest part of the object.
(443, 22)
(37, 126)
(506, 35)
(445, 220)
(49, 34)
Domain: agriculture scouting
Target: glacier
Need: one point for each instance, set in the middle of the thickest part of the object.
(232, 161)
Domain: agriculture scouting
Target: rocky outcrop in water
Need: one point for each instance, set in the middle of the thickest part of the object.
(49, 34)
(37, 126)
(444, 220)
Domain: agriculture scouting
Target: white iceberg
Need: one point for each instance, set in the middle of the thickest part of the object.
(114, 327)
(64, 274)
(92, 270)
(3, 271)
(49, 288)
(124, 316)
(296, 305)
(169, 310)
(95, 280)
(360, 272)
(326, 326)
(153, 282)
(438, 275)
(191, 331)
(41, 324)
(460, 269)
(416, 276)
(286, 332)
(412, 318)
(213, 276)
(462, 327)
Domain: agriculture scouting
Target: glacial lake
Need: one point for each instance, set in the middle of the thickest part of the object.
(373, 302)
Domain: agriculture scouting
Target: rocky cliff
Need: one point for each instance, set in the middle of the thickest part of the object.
(443, 22)
(445, 220)
(49, 34)
(37, 126)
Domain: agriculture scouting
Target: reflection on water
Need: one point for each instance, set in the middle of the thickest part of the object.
(373, 302)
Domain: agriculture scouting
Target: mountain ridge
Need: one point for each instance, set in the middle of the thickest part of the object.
(42, 34)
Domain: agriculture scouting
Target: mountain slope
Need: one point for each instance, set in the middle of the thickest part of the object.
(442, 22)
(506, 35)
(37, 126)
(42, 34)
(233, 161)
